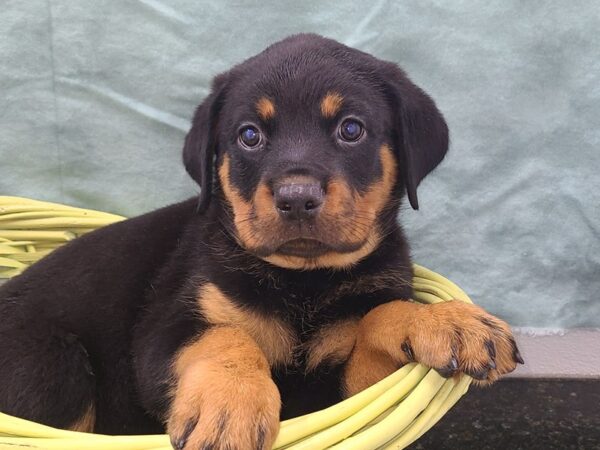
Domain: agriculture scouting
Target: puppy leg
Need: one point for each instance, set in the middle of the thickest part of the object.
(224, 396)
(45, 376)
(449, 337)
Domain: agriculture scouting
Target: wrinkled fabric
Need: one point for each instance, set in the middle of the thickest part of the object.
(96, 97)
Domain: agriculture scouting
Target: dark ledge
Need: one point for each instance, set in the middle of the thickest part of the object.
(523, 414)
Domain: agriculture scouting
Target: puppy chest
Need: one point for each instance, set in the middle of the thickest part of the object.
(296, 340)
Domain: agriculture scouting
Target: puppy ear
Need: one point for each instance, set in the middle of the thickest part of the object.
(201, 141)
(421, 133)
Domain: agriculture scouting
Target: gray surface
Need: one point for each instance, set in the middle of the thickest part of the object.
(96, 95)
(555, 353)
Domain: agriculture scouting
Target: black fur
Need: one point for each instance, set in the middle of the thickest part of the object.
(100, 319)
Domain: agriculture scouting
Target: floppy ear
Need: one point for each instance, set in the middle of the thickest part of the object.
(200, 143)
(421, 133)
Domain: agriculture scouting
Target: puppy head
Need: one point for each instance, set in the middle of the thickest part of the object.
(311, 146)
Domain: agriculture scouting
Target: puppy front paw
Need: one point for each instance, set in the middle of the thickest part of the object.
(450, 337)
(224, 398)
(214, 410)
(456, 337)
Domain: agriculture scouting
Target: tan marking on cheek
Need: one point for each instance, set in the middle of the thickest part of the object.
(339, 198)
(265, 108)
(239, 205)
(374, 200)
(86, 422)
(331, 104)
(341, 212)
(274, 337)
(332, 343)
(263, 203)
(242, 210)
(251, 219)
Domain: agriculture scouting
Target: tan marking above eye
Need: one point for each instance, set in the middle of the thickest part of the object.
(331, 104)
(265, 108)
(274, 337)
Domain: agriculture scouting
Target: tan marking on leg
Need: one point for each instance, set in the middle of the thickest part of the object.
(274, 337)
(224, 393)
(364, 369)
(435, 334)
(86, 422)
(332, 343)
(265, 108)
(331, 104)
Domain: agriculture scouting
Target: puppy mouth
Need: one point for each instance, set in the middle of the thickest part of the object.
(304, 248)
(307, 241)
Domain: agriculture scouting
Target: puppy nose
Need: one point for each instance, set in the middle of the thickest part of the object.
(298, 201)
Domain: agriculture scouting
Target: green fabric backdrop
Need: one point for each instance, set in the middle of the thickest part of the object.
(96, 97)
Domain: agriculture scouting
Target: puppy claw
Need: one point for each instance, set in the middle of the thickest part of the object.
(517, 357)
(516, 354)
(450, 369)
(260, 438)
(454, 363)
(179, 443)
(491, 348)
(406, 348)
(481, 374)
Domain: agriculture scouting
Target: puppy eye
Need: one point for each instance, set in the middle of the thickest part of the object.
(250, 137)
(351, 130)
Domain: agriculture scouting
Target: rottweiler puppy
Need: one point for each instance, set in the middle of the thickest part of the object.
(280, 290)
